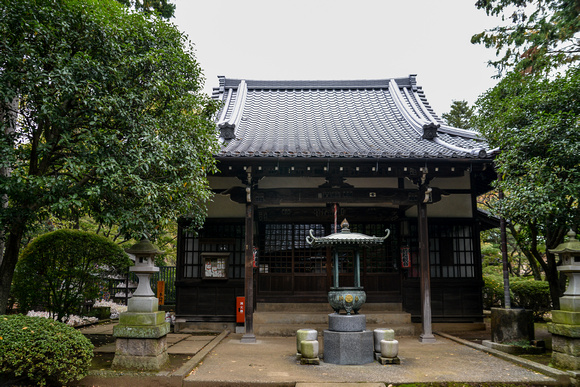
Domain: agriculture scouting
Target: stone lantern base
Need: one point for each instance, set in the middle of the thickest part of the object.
(565, 330)
(141, 341)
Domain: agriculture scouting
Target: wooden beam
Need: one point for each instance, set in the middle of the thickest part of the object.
(277, 196)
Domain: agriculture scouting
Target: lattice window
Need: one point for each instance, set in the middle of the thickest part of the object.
(378, 259)
(285, 247)
(451, 250)
(214, 238)
(307, 259)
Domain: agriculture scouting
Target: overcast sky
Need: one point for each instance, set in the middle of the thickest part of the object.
(339, 39)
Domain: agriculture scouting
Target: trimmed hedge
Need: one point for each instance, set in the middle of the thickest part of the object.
(45, 351)
(525, 293)
(493, 293)
(533, 295)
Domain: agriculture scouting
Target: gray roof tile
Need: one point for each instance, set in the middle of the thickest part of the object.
(357, 118)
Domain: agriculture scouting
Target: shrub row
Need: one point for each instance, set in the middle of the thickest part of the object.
(44, 351)
(524, 293)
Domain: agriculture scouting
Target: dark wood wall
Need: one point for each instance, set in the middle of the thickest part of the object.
(452, 300)
(208, 300)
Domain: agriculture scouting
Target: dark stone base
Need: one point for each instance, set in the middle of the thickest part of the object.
(565, 349)
(389, 360)
(515, 349)
(348, 348)
(565, 361)
(511, 325)
(567, 345)
(305, 361)
(248, 338)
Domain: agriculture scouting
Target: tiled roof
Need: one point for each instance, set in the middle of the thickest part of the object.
(387, 118)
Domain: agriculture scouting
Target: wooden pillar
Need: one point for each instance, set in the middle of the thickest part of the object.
(504, 258)
(335, 268)
(357, 268)
(427, 335)
(249, 336)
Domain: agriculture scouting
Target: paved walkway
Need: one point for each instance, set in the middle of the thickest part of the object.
(225, 361)
(272, 360)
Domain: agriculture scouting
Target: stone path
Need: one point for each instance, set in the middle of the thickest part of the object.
(225, 361)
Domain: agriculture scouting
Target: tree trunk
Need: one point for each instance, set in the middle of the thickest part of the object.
(537, 273)
(11, 251)
(553, 279)
(8, 114)
(527, 253)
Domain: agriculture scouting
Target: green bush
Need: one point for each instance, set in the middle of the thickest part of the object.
(43, 350)
(60, 270)
(533, 295)
(493, 292)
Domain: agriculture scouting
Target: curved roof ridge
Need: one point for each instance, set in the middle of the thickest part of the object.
(315, 84)
(236, 115)
(461, 132)
(418, 121)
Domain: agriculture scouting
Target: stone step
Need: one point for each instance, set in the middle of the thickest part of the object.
(290, 329)
(391, 318)
(284, 319)
(323, 307)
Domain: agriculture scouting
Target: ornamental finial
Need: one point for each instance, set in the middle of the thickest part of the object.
(344, 226)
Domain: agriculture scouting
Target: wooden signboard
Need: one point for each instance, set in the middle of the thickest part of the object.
(215, 265)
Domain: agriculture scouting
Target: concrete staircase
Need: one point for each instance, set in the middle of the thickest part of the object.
(281, 319)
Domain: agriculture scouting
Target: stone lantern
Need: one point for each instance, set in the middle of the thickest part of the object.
(142, 330)
(565, 326)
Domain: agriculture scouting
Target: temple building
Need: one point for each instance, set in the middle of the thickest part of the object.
(304, 155)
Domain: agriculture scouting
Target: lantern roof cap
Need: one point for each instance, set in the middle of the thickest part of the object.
(345, 237)
(571, 246)
(144, 247)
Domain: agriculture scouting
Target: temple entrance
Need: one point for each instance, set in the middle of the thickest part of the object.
(289, 268)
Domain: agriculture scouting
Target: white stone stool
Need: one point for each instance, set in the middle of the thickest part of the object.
(382, 334)
(389, 352)
(304, 334)
(309, 351)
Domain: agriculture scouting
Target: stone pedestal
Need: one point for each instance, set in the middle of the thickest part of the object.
(565, 326)
(352, 344)
(510, 325)
(565, 330)
(141, 341)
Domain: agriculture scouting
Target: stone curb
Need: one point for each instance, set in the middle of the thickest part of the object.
(186, 369)
(563, 378)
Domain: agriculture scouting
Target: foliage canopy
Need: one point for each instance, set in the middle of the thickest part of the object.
(534, 121)
(542, 33)
(102, 113)
(460, 115)
(161, 7)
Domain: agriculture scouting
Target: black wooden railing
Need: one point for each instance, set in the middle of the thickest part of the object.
(167, 274)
